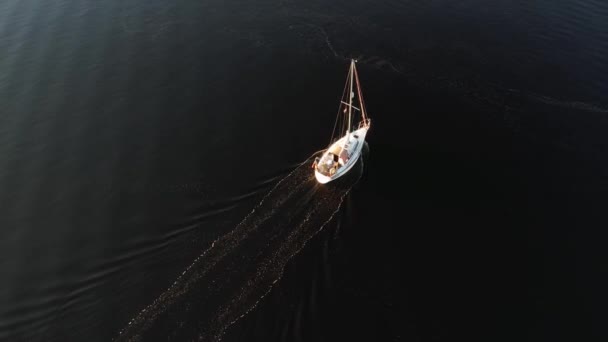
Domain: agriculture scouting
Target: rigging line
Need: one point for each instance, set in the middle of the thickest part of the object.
(339, 108)
(339, 116)
(350, 96)
(361, 102)
(351, 76)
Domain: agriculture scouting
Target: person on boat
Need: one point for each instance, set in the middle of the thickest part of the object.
(343, 159)
(314, 164)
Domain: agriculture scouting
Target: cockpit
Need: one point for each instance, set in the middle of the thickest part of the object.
(329, 164)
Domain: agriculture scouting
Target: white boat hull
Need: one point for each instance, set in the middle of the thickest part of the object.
(353, 147)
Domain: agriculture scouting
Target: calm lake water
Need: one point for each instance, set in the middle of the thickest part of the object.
(139, 141)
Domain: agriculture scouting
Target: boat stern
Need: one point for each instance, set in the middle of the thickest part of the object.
(321, 178)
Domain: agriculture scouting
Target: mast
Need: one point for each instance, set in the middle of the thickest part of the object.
(350, 94)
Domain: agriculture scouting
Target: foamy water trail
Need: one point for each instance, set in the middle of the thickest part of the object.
(229, 278)
(578, 105)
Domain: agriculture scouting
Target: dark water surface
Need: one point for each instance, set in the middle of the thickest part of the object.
(136, 138)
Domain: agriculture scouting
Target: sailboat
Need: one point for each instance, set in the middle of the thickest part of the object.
(343, 153)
